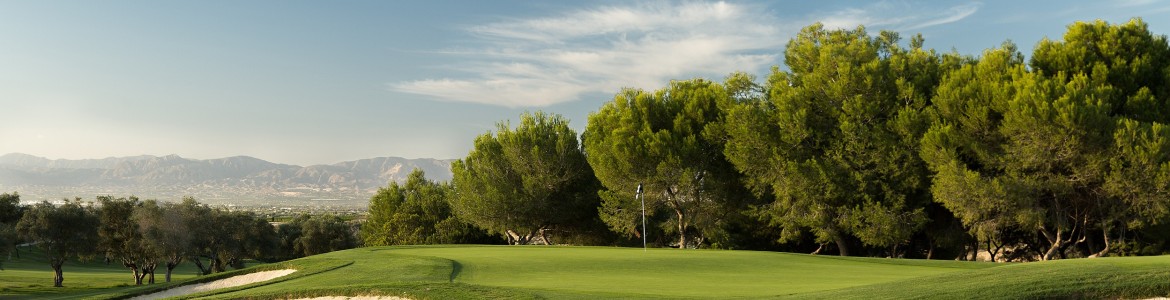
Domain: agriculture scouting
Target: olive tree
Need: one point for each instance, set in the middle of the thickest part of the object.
(61, 232)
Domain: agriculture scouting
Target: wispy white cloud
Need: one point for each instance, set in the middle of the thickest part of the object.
(1135, 2)
(544, 61)
(550, 60)
(898, 16)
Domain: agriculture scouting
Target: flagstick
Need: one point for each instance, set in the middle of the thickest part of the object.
(643, 198)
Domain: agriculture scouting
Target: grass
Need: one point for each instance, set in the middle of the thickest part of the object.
(30, 277)
(509, 272)
(439, 272)
(1100, 278)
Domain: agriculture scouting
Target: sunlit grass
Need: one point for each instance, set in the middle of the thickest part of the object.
(526, 272)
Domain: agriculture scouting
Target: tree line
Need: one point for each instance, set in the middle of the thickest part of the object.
(863, 145)
(143, 235)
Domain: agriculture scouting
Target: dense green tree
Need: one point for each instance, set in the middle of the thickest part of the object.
(121, 239)
(1129, 68)
(1127, 57)
(670, 142)
(1068, 152)
(239, 235)
(61, 232)
(835, 140)
(1139, 176)
(322, 234)
(236, 236)
(10, 213)
(195, 216)
(414, 213)
(165, 235)
(973, 99)
(521, 182)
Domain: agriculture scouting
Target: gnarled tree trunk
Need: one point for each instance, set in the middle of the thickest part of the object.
(173, 262)
(58, 277)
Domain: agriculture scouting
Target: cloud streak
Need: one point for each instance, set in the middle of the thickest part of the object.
(543, 61)
(898, 16)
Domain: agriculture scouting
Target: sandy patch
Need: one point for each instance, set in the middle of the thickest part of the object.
(218, 284)
(356, 298)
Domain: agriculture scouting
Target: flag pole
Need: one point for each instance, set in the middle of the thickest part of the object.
(643, 198)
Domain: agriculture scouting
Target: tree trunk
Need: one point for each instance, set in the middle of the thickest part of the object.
(1105, 251)
(515, 238)
(148, 269)
(217, 264)
(544, 237)
(199, 263)
(58, 277)
(682, 228)
(930, 249)
(841, 247)
(171, 264)
(133, 266)
(1055, 241)
(170, 269)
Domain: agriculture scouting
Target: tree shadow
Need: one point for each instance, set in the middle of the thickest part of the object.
(456, 267)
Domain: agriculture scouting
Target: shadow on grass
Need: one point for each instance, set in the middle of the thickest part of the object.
(456, 267)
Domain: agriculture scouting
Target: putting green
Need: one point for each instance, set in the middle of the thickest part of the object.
(560, 272)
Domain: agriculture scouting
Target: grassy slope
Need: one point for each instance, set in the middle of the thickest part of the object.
(587, 272)
(30, 277)
(482, 272)
(1102, 278)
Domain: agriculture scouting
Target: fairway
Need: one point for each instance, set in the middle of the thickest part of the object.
(670, 272)
(564, 272)
(581, 272)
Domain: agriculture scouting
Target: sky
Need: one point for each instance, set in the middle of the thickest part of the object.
(321, 82)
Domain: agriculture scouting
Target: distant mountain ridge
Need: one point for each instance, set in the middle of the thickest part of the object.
(240, 178)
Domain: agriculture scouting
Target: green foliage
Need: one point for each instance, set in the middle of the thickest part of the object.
(311, 235)
(521, 182)
(119, 236)
(1127, 57)
(1067, 153)
(670, 142)
(62, 232)
(835, 139)
(416, 213)
(10, 213)
(166, 236)
(236, 236)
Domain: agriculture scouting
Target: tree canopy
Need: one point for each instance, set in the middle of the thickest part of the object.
(523, 182)
(668, 141)
(416, 212)
(61, 232)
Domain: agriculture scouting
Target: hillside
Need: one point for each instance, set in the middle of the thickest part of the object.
(240, 180)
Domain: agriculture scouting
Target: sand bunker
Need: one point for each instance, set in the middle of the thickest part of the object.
(218, 284)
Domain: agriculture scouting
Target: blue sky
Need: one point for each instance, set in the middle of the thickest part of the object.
(320, 82)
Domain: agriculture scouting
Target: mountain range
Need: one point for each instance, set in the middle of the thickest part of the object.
(237, 180)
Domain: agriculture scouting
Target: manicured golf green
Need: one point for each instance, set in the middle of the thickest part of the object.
(582, 272)
(528, 272)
